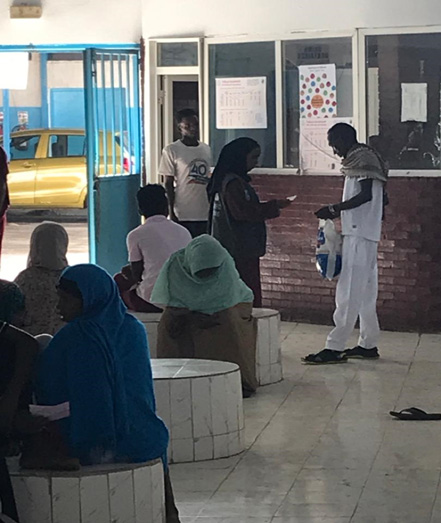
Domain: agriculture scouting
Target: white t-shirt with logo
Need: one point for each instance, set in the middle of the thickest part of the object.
(365, 220)
(153, 243)
(190, 167)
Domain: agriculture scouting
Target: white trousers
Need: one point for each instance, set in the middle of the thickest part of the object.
(356, 295)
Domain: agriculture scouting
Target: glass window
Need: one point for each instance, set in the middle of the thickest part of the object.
(403, 99)
(239, 61)
(63, 145)
(24, 147)
(178, 54)
(317, 85)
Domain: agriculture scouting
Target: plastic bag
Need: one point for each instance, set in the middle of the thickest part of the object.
(328, 252)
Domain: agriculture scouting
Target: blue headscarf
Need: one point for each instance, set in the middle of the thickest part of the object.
(100, 363)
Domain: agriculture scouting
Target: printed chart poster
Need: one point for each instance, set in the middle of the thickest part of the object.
(315, 153)
(241, 103)
(318, 91)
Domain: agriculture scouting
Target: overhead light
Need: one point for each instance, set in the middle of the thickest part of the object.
(25, 11)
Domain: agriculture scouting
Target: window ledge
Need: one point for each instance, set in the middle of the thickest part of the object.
(392, 174)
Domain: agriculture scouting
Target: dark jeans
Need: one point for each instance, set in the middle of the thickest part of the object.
(6, 493)
(130, 298)
(195, 228)
(249, 271)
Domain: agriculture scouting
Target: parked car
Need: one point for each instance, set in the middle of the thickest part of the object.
(48, 166)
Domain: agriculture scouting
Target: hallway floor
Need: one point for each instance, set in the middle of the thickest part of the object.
(321, 446)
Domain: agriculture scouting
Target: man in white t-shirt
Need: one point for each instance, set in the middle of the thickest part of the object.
(150, 245)
(185, 166)
(361, 213)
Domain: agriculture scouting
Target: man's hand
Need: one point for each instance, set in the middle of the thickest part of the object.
(327, 213)
(126, 271)
(283, 203)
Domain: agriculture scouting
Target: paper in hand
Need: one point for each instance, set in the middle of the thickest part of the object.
(51, 412)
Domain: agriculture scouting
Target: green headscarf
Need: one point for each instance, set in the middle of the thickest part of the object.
(12, 300)
(178, 284)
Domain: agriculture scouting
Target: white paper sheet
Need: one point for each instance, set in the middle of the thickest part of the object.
(414, 102)
(14, 68)
(52, 413)
(315, 153)
(241, 103)
(317, 91)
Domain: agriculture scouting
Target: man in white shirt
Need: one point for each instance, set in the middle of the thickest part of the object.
(150, 245)
(361, 213)
(185, 166)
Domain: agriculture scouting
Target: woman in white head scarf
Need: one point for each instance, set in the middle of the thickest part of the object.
(46, 262)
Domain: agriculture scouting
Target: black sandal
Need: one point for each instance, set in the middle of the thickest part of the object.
(414, 414)
(325, 357)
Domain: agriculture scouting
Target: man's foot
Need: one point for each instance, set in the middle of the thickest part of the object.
(325, 357)
(362, 354)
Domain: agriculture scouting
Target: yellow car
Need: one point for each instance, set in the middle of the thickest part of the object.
(48, 167)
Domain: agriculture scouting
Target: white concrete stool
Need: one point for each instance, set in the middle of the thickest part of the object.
(132, 493)
(268, 349)
(200, 401)
(150, 320)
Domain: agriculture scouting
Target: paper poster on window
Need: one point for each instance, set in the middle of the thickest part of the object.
(414, 102)
(318, 91)
(241, 103)
(315, 153)
(23, 117)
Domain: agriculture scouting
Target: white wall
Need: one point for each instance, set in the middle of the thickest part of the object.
(166, 18)
(74, 21)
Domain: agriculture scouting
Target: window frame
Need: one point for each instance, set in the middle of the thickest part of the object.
(278, 40)
(67, 135)
(358, 38)
(385, 31)
(38, 149)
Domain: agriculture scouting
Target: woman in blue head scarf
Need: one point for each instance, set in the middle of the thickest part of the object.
(100, 363)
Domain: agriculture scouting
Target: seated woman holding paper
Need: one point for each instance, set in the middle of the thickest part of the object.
(100, 363)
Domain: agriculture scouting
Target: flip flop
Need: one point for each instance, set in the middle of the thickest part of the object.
(325, 357)
(414, 414)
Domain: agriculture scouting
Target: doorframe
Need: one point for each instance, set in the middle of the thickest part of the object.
(155, 109)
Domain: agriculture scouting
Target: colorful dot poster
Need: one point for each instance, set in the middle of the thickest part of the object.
(318, 91)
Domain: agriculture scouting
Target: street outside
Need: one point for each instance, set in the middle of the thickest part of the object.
(15, 248)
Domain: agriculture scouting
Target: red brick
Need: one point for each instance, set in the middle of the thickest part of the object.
(409, 270)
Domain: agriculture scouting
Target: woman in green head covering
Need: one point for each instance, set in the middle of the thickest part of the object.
(208, 309)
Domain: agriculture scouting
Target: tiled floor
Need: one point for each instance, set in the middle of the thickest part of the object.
(321, 446)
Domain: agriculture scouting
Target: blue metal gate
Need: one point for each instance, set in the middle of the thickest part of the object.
(113, 132)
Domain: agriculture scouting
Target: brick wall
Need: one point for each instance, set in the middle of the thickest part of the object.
(409, 253)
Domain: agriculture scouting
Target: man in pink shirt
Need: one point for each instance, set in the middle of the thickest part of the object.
(149, 246)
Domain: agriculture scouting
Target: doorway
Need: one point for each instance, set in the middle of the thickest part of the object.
(74, 139)
(179, 92)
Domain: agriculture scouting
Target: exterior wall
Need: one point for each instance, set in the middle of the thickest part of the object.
(409, 270)
(74, 21)
(175, 18)
(409, 254)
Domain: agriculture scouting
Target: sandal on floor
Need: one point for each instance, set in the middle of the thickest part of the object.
(414, 414)
(325, 357)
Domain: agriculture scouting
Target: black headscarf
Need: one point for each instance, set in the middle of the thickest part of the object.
(232, 160)
(12, 300)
